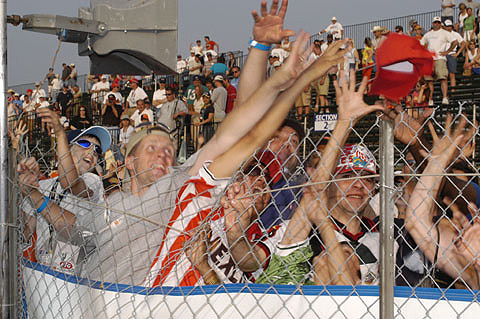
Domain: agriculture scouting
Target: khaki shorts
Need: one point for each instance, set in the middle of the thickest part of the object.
(304, 99)
(440, 71)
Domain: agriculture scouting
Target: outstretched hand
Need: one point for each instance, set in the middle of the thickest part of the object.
(50, 118)
(351, 106)
(408, 129)
(268, 27)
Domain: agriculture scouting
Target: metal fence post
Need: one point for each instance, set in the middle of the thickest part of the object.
(387, 258)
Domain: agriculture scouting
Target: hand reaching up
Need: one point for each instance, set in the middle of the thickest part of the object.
(268, 27)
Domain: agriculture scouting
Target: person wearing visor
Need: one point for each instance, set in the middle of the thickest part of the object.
(58, 211)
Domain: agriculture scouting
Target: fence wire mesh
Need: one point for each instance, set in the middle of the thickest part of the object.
(289, 236)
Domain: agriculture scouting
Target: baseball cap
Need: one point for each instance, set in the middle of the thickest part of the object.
(196, 78)
(206, 94)
(437, 19)
(99, 132)
(162, 80)
(218, 78)
(37, 83)
(28, 91)
(356, 157)
(137, 137)
(115, 85)
(448, 23)
(133, 81)
(111, 97)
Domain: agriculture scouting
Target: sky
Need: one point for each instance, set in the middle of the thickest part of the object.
(228, 22)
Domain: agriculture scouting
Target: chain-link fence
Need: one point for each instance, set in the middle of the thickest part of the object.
(384, 222)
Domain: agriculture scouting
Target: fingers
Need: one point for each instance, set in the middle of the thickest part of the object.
(283, 9)
(433, 132)
(263, 8)
(274, 8)
(363, 84)
(255, 16)
(426, 114)
(352, 81)
(448, 124)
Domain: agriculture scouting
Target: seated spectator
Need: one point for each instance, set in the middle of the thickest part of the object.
(136, 93)
(219, 68)
(58, 211)
(236, 77)
(126, 130)
(418, 32)
(210, 45)
(111, 111)
(419, 98)
(472, 59)
(232, 62)
(195, 66)
(159, 96)
(139, 112)
(82, 121)
(116, 92)
(207, 70)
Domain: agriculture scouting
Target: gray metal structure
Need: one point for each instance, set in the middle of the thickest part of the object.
(125, 40)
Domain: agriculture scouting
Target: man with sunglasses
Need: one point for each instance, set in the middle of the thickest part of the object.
(58, 211)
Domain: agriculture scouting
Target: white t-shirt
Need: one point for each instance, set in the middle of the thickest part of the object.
(281, 53)
(324, 47)
(197, 49)
(56, 84)
(436, 41)
(192, 64)
(474, 5)
(135, 95)
(29, 107)
(118, 96)
(124, 136)
(335, 30)
(53, 249)
(37, 93)
(44, 104)
(448, 12)
(181, 66)
(137, 117)
(454, 36)
(159, 94)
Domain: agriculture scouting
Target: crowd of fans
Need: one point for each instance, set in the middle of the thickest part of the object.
(143, 219)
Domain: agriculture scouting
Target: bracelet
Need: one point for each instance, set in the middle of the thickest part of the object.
(256, 45)
(42, 207)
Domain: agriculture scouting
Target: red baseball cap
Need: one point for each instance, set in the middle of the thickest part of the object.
(401, 60)
(114, 85)
(356, 157)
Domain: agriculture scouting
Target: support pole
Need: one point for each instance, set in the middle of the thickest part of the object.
(387, 258)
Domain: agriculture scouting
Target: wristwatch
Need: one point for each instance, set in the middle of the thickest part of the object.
(256, 45)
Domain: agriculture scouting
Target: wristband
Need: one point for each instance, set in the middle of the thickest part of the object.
(42, 207)
(256, 45)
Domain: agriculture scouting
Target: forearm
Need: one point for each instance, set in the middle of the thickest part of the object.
(248, 257)
(253, 75)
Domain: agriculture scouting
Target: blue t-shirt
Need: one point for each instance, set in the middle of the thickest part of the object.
(219, 68)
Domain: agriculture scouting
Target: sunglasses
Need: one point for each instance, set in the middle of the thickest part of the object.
(86, 144)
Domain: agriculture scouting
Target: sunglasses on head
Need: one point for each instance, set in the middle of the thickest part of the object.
(87, 144)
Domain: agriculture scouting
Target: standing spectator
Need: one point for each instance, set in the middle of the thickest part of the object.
(37, 92)
(189, 94)
(320, 85)
(436, 40)
(206, 120)
(286, 44)
(210, 44)
(115, 91)
(126, 130)
(367, 59)
(412, 24)
(136, 93)
(56, 86)
(448, 7)
(64, 101)
(219, 68)
(399, 29)
(462, 15)
(335, 29)
(197, 49)
(351, 59)
(236, 77)
(111, 111)
(29, 111)
(50, 76)
(325, 45)
(302, 104)
(378, 37)
(94, 91)
(102, 87)
(231, 95)
(159, 96)
(65, 73)
(190, 58)
(472, 4)
(279, 52)
(72, 77)
(469, 26)
(418, 32)
(181, 65)
(208, 65)
(195, 66)
(219, 99)
(457, 41)
(170, 110)
(194, 111)
(77, 99)
(82, 121)
(232, 62)
(139, 112)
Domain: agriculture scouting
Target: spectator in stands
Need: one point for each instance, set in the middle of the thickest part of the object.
(219, 99)
(457, 41)
(206, 120)
(231, 95)
(236, 77)
(171, 110)
(418, 32)
(462, 15)
(378, 36)
(77, 100)
(472, 59)
(286, 44)
(72, 77)
(195, 66)
(64, 101)
(232, 62)
(367, 60)
(335, 29)
(139, 112)
(303, 102)
(448, 7)
(208, 65)
(189, 94)
(94, 92)
(472, 4)
(469, 26)
(351, 58)
(60, 209)
(210, 44)
(194, 111)
(111, 111)
(126, 130)
(29, 111)
(198, 49)
(116, 92)
(50, 76)
(82, 121)
(37, 92)
(437, 40)
(319, 85)
(136, 93)
(159, 96)
(399, 29)
(209, 86)
(14, 110)
(279, 52)
(325, 45)
(65, 73)
(219, 68)
(181, 65)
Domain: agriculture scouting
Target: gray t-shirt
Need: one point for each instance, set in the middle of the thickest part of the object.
(219, 99)
(129, 232)
(165, 114)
